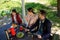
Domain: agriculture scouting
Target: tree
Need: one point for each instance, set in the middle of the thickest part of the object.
(58, 7)
(9, 5)
(53, 2)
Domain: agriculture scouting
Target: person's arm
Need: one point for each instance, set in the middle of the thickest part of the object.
(20, 19)
(35, 26)
(48, 30)
(33, 19)
(12, 18)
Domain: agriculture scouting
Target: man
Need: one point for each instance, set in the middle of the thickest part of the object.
(44, 29)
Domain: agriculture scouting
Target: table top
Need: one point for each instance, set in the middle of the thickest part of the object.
(26, 37)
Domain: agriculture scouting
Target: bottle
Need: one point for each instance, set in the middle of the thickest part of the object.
(12, 31)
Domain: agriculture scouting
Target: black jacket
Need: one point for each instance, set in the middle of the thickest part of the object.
(46, 26)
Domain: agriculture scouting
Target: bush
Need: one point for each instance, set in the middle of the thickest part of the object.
(53, 2)
(35, 6)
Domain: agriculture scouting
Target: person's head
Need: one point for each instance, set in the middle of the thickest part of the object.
(30, 9)
(42, 14)
(14, 12)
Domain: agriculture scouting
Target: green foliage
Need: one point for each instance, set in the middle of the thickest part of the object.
(7, 5)
(35, 6)
(52, 15)
(53, 2)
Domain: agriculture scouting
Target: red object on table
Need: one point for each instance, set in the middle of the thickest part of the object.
(21, 28)
(12, 30)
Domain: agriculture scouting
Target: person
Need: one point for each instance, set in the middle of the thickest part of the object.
(31, 18)
(44, 29)
(16, 17)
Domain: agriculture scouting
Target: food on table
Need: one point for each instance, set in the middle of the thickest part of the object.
(20, 35)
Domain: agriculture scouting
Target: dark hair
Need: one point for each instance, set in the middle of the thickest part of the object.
(30, 9)
(14, 10)
(43, 12)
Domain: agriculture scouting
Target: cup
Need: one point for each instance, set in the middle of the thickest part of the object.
(21, 28)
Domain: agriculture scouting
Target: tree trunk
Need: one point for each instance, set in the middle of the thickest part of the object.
(23, 9)
(58, 7)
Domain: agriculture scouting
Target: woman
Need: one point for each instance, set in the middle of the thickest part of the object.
(31, 19)
(16, 17)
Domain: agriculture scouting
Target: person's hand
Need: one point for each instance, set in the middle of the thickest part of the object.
(39, 36)
(8, 31)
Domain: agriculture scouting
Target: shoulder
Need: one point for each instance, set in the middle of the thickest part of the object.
(17, 14)
(48, 21)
